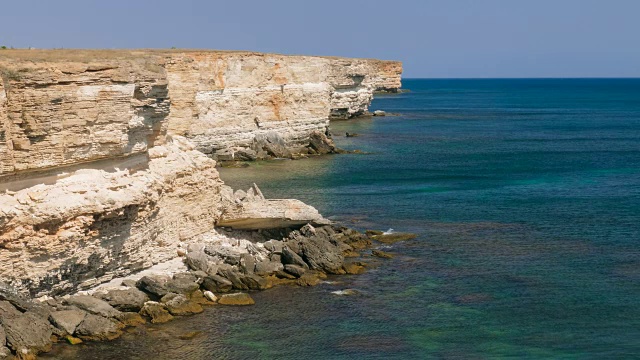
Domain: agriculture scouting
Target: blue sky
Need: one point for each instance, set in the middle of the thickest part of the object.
(444, 38)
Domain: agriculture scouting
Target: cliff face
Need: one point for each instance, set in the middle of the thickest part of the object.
(98, 179)
(244, 103)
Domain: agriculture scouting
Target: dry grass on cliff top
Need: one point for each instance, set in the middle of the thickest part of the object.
(86, 55)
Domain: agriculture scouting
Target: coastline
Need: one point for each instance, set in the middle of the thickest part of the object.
(221, 270)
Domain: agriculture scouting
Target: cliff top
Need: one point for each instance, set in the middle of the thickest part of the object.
(85, 55)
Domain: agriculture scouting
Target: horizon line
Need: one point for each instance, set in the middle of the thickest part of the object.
(525, 78)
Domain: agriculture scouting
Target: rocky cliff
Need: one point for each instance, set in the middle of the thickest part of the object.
(99, 162)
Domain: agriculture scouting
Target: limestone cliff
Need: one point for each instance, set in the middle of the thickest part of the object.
(98, 150)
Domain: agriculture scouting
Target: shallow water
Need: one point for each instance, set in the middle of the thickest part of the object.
(526, 197)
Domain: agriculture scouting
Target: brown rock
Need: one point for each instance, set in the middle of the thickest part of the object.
(181, 306)
(95, 327)
(308, 279)
(394, 237)
(381, 254)
(354, 269)
(67, 320)
(132, 319)
(236, 299)
(156, 312)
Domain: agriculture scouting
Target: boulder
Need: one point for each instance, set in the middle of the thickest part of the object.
(236, 299)
(379, 113)
(179, 305)
(182, 285)
(320, 143)
(93, 305)
(28, 334)
(234, 277)
(197, 260)
(210, 296)
(154, 285)
(216, 283)
(156, 312)
(186, 276)
(308, 279)
(274, 246)
(266, 268)
(290, 257)
(95, 327)
(294, 270)
(67, 320)
(8, 310)
(5, 352)
(322, 255)
(130, 299)
(255, 282)
(9, 294)
(272, 144)
(247, 263)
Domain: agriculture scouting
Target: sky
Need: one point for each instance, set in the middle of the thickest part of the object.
(433, 39)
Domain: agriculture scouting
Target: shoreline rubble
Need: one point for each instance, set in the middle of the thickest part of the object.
(220, 270)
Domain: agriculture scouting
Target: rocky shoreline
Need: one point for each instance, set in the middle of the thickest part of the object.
(222, 269)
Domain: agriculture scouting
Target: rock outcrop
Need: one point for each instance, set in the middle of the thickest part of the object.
(102, 170)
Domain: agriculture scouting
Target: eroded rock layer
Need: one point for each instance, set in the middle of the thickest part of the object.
(99, 163)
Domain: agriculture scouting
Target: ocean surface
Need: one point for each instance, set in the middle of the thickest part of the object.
(526, 198)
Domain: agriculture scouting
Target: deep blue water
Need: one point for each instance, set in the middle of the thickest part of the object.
(526, 197)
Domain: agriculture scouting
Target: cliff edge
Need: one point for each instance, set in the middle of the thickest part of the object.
(101, 152)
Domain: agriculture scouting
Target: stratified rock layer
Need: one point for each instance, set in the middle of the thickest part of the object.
(98, 168)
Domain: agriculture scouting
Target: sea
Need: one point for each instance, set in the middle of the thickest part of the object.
(525, 195)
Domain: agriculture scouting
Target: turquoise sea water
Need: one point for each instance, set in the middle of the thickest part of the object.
(526, 197)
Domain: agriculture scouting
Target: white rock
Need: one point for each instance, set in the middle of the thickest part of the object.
(210, 296)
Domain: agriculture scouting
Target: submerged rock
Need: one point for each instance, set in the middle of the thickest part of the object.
(236, 299)
(371, 233)
(381, 254)
(394, 237)
(346, 292)
(354, 268)
(73, 340)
